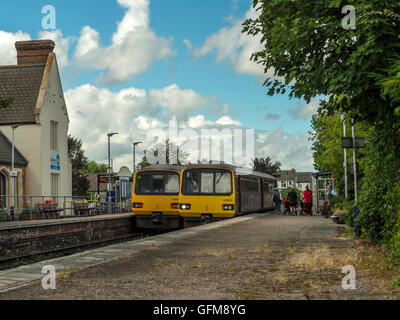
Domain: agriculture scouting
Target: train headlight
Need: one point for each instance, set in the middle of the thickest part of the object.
(138, 205)
(175, 205)
(228, 207)
(185, 206)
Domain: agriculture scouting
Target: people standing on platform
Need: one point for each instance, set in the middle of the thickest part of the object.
(307, 196)
(277, 200)
(292, 196)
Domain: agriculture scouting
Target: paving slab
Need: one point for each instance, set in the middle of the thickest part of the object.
(19, 277)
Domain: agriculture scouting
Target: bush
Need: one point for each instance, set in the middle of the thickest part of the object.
(3, 215)
(28, 212)
(379, 203)
(285, 192)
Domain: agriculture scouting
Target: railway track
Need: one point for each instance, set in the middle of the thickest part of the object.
(17, 261)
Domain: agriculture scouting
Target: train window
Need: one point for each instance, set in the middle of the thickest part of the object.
(223, 183)
(157, 183)
(207, 182)
(171, 183)
(143, 183)
(192, 182)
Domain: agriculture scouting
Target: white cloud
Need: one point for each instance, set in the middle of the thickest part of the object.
(307, 110)
(179, 101)
(94, 112)
(62, 45)
(8, 54)
(133, 49)
(231, 45)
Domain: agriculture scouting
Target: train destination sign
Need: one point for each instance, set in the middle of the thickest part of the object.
(104, 179)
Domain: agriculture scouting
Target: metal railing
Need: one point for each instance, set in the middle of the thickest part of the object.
(27, 207)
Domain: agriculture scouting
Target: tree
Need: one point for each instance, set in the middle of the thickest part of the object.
(326, 136)
(94, 167)
(80, 183)
(311, 54)
(266, 165)
(5, 102)
(164, 148)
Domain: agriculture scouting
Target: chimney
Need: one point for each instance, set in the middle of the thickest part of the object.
(34, 51)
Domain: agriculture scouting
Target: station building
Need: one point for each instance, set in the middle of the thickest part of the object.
(38, 107)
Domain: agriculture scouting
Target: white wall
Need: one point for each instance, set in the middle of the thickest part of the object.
(54, 109)
(28, 141)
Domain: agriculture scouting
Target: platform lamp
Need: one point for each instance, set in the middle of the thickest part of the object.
(13, 173)
(109, 135)
(134, 155)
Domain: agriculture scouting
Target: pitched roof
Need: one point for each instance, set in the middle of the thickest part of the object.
(22, 84)
(304, 176)
(6, 153)
(286, 175)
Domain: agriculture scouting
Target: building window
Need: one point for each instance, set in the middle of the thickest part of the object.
(54, 184)
(283, 184)
(53, 135)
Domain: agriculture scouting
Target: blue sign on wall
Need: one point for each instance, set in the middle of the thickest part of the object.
(55, 161)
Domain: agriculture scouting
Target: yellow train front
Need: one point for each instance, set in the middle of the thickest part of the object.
(216, 192)
(155, 197)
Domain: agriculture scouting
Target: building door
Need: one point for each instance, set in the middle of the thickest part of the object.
(2, 190)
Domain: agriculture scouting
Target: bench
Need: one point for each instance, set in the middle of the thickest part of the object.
(49, 209)
(82, 208)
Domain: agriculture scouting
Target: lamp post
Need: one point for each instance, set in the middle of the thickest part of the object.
(342, 116)
(109, 135)
(13, 174)
(134, 155)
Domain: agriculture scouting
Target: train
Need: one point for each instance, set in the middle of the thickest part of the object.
(174, 197)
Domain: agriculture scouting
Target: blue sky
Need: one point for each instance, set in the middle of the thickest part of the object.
(193, 51)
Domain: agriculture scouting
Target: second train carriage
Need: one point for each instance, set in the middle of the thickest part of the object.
(216, 192)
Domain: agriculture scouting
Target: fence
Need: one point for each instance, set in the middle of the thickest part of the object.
(31, 207)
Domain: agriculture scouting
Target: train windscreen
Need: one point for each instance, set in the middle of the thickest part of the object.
(157, 183)
(207, 182)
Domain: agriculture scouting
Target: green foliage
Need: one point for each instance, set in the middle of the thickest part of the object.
(327, 147)
(80, 184)
(3, 215)
(94, 167)
(266, 165)
(285, 192)
(28, 211)
(305, 44)
(5, 102)
(380, 194)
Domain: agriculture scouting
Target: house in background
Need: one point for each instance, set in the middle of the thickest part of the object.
(291, 178)
(38, 106)
(304, 179)
(286, 179)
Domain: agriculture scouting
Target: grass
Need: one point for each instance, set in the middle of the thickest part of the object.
(228, 253)
(316, 259)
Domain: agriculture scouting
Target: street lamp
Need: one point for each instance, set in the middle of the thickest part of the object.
(342, 116)
(134, 155)
(13, 173)
(109, 135)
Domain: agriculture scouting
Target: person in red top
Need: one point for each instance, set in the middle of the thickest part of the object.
(307, 195)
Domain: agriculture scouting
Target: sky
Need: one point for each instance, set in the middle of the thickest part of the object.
(132, 66)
